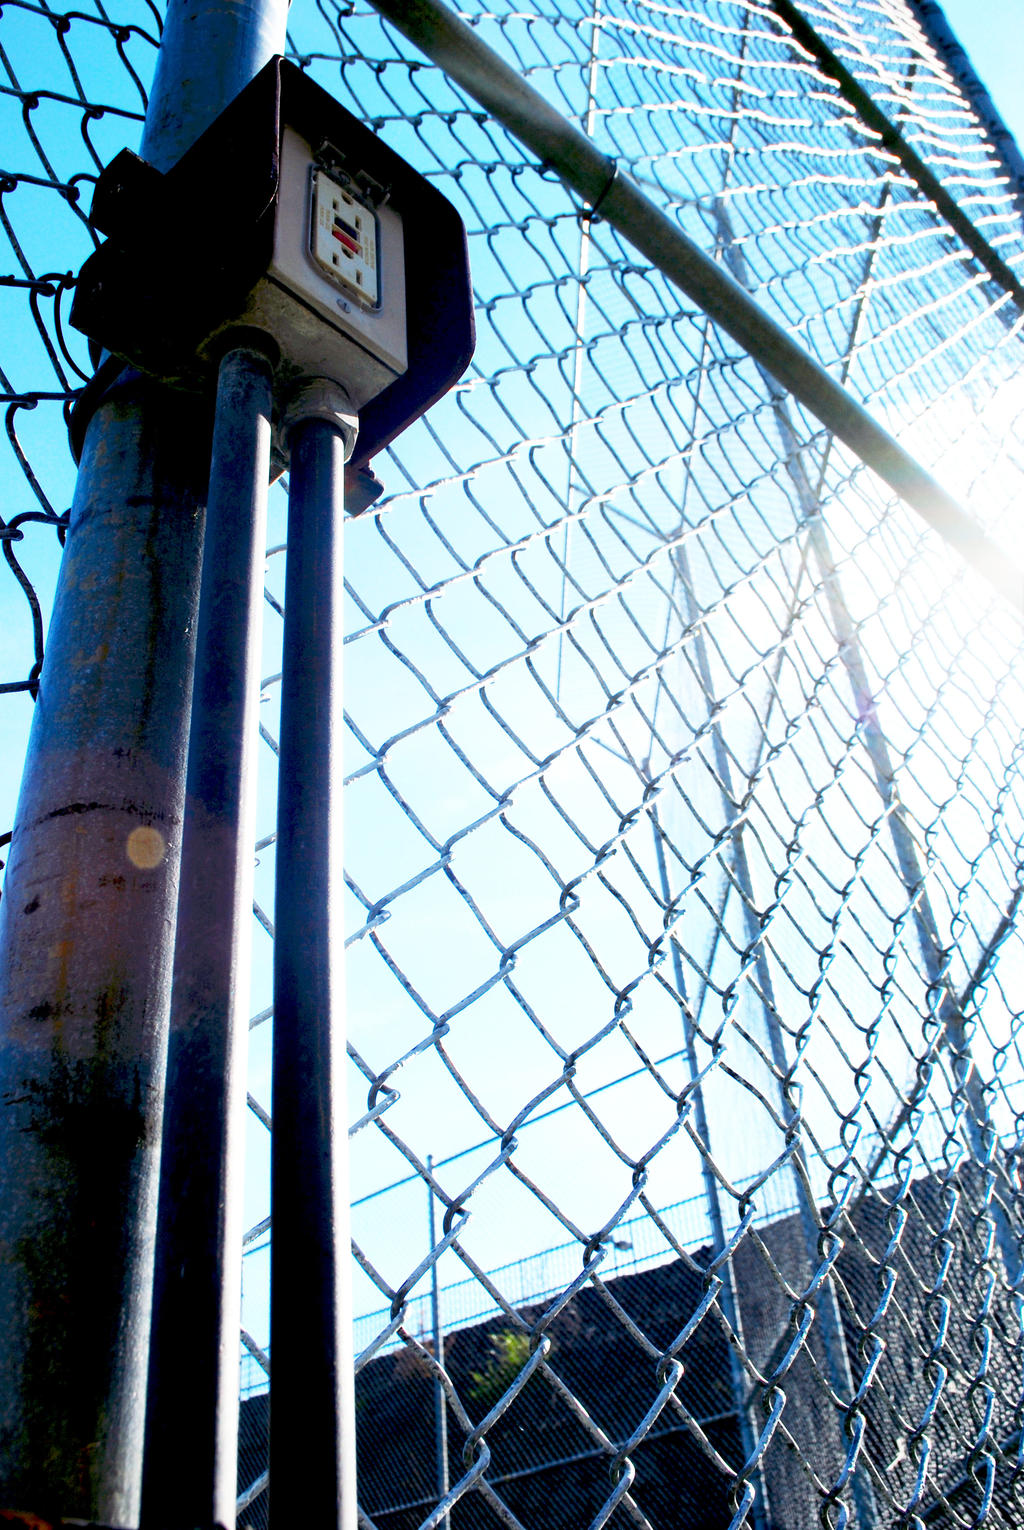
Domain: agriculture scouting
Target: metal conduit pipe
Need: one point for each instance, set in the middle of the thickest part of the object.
(192, 1410)
(88, 915)
(454, 46)
(312, 1395)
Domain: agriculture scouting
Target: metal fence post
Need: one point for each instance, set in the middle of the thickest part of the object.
(729, 1302)
(86, 932)
(88, 916)
(440, 1402)
(312, 1398)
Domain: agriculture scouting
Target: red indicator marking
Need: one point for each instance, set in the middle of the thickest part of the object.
(343, 239)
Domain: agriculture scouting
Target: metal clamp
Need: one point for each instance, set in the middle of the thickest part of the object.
(318, 398)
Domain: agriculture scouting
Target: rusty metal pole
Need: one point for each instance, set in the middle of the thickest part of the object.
(88, 916)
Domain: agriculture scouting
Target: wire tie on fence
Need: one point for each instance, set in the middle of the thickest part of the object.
(595, 207)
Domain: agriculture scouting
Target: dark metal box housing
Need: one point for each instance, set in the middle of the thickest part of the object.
(192, 253)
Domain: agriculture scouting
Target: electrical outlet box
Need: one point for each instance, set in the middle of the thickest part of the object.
(337, 296)
(345, 239)
(288, 215)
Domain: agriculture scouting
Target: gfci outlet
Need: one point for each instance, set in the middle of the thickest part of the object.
(335, 285)
(345, 239)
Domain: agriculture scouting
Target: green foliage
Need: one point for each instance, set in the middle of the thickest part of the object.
(509, 1353)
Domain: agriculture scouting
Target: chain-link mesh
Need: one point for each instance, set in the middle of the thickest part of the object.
(683, 800)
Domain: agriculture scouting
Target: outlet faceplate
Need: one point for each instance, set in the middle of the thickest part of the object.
(345, 239)
(364, 342)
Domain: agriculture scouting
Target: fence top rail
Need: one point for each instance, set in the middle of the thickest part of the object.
(611, 193)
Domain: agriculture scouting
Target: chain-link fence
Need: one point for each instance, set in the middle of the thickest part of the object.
(684, 808)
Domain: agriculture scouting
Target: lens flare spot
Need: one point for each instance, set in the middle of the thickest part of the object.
(146, 848)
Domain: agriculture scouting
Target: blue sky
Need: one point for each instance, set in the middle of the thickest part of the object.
(992, 32)
(572, 991)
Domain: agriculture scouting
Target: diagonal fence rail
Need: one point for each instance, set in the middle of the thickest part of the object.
(683, 795)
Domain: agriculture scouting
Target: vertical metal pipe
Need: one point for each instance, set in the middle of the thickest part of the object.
(572, 489)
(440, 1402)
(837, 1356)
(837, 1360)
(86, 932)
(192, 1409)
(729, 1298)
(88, 916)
(312, 1402)
(955, 1035)
(209, 49)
